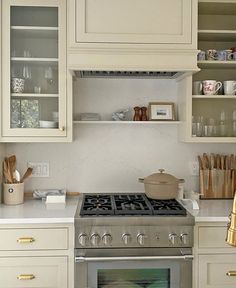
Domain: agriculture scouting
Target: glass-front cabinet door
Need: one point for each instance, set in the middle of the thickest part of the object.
(34, 100)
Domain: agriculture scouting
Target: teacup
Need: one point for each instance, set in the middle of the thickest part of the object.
(211, 87)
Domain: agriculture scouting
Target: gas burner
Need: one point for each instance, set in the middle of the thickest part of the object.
(167, 207)
(95, 205)
(128, 204)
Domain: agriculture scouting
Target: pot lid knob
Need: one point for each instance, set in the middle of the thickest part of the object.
(161, 170)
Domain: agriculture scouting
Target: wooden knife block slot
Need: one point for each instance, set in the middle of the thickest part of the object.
(217, 183)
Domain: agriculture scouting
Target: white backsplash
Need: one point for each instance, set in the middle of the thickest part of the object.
(111, 157)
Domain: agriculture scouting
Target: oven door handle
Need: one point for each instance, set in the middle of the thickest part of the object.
(79, 259)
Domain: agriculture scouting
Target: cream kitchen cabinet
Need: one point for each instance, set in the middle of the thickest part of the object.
(131, 35)
(216, 30)
(132, 21)
(215, 260)
(35, 105)
(36, 256)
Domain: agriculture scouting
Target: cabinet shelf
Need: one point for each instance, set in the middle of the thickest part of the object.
(34, 95)
(34, 60)
(217, 35)
(128, 122)
(216, 64)
(214, 97)
(212, 140)
(35, 31)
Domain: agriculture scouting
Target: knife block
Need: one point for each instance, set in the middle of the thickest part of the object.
(217, 183)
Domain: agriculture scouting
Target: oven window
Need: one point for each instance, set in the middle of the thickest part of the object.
(133, 278)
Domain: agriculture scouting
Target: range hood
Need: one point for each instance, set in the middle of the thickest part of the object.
(128, 74)
(158, 64)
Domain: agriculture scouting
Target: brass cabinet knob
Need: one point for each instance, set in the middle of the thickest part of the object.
(25, 277)
(62, 128)
(231, 273)
(25, 240)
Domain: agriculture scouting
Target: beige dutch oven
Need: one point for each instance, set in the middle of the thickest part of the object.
(160, 185)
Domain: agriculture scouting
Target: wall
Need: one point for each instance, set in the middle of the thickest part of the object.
(111, 157)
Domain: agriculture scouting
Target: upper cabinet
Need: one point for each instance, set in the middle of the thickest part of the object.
(133, 21)
(35, 105)
(210, 111)
(132, 34)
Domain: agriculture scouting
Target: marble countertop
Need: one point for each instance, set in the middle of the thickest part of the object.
(212, 210)
(37, 211)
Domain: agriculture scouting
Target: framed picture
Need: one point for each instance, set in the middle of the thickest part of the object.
(161, 111)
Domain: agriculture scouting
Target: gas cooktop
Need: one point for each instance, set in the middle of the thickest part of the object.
(128, 205)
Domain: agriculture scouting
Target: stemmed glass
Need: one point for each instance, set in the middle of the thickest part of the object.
(48, 75)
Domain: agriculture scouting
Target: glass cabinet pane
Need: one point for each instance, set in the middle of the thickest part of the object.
(34, 67)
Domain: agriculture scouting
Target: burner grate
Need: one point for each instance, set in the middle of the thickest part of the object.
(128, 205)
(96, 205)
(167, 207)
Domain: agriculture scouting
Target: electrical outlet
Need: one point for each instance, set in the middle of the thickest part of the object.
(194, 168)
(40, 169)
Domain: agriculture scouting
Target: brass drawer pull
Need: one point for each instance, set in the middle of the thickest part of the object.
(25, 277)
(231, 273)
(25, 240)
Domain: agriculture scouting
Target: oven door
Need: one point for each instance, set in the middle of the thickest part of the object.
(133, 268)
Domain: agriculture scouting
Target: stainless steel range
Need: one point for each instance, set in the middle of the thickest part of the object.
(128, 240)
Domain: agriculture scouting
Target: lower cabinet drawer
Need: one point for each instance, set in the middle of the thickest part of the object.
(35, 272)
(33, 239)
(212, 237)
(213, 271)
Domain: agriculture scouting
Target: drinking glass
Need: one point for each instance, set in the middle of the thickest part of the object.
(27, 72)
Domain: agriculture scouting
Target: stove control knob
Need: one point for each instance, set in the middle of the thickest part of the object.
(95, 239)
(126, 238)
(172, 238)
(141, 239)
(107, 239)
(184, 238)
(83, 239)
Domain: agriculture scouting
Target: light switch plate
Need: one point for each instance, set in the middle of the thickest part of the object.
(40, 169)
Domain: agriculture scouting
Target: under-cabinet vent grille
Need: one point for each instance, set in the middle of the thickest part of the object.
(127, 74)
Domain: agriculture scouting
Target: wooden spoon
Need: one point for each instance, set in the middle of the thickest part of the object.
(6, 172)
(28, 172)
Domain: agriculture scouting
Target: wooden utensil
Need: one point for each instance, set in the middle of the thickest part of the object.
(6, 174)
(27, 174)
(12, 166)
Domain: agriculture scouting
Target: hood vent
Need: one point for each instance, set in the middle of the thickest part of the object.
(128, 74)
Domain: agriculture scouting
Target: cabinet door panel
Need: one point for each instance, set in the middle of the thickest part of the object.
(134, 21)
(213, 271)
(35, 272)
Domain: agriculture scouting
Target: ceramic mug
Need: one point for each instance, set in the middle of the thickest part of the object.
(229, 87)
(201, 55)
(229, 55)
(17, 85)
(211, 54)
(211, 87)
(221, 55)
(197, 88)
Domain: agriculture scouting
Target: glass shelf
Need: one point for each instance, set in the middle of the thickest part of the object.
(36, 95)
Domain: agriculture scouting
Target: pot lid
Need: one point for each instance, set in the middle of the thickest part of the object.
(161, 178)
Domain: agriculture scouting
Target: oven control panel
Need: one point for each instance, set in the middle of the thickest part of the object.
(105, 237)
